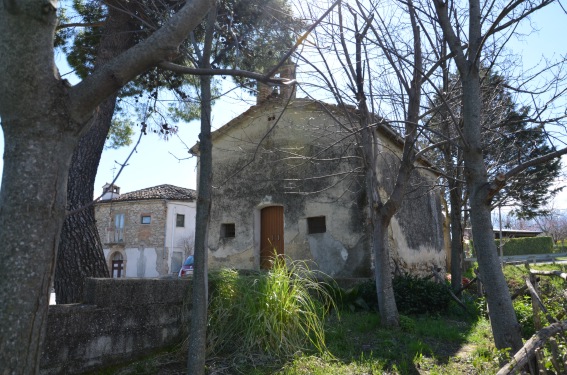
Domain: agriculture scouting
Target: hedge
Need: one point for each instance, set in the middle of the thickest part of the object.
(524, 246)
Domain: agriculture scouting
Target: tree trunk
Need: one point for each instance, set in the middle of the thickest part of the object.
(383, 274)
(198, 334)
(505, 327)
(37, 155)
(42, 119)
(39, 140)
(456, 234)
(80, 252)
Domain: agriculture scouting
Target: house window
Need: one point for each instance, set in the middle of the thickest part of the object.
(316, 225)
(119, 228)
(228, 231)
(180, 221)
(146, 219)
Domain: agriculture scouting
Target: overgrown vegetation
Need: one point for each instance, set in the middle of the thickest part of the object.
(275, 313)
(251, 312)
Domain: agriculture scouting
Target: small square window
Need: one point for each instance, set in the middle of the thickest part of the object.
(316, 225)
(180, 220)
(146, 219)
(228, 231)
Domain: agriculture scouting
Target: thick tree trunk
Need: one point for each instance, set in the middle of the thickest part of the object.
(505, 327)
(39, 141)
(32, 207)
(80, 252)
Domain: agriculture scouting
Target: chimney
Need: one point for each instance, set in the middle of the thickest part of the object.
(110, 192)
(284, 92)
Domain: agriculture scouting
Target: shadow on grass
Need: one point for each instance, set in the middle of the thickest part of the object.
(422, 341)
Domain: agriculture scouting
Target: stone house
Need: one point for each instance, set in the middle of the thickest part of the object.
(147, 232)
(288, 177)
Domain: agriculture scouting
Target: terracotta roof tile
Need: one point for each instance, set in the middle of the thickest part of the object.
(159, 192)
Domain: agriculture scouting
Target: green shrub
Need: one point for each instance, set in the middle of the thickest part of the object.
(361, 297)
(523, 246)
(416, 295)
(525, 315)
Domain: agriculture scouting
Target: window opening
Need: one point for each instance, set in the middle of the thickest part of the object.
(228, 231)
(316, 225)
(119, 228)
(146, 219)
(180, 220)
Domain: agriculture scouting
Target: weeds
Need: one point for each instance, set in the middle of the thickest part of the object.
(277, 313)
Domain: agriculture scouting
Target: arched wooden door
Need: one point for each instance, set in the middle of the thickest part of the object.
(271, 234)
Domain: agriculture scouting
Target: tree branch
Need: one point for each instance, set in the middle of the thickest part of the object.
(228, 72)
(79, 24)
(500, 180)
(523, 355)
(301, 39)
(160, 46)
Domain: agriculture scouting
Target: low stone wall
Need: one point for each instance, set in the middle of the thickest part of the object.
(120, 320)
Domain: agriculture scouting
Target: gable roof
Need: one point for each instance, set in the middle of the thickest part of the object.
(168, 192)
(302, 104)
(385, 129)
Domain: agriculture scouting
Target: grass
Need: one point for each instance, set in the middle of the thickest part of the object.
(275, 313)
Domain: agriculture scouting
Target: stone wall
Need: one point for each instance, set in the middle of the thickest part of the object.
(143, 247)
(120, 321)
(135, 233)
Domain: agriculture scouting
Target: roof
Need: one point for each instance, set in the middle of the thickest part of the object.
(168, 192)
(516, 233)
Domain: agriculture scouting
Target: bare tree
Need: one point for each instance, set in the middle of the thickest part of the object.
(467, 48)
(386, 83)
(553, 224)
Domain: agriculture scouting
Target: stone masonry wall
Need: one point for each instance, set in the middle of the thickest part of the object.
(138, 238)
(135, 233)
(121, 320)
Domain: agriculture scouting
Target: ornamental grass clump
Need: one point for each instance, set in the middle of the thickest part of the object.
(275, 313)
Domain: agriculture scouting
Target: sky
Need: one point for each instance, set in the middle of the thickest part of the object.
(158, 162)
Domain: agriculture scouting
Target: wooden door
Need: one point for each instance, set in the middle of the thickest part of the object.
(271, 235)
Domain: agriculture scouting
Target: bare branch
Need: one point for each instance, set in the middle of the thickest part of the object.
(224, 72)
(79, 24)
(500, 181)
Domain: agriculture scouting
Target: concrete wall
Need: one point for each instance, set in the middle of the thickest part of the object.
(121, 320)
(276, 175)
(180, 240)
(309, 163)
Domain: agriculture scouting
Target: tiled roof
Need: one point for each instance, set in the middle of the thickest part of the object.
(170, 192)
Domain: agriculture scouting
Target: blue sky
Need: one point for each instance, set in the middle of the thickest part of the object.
(156, 161)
